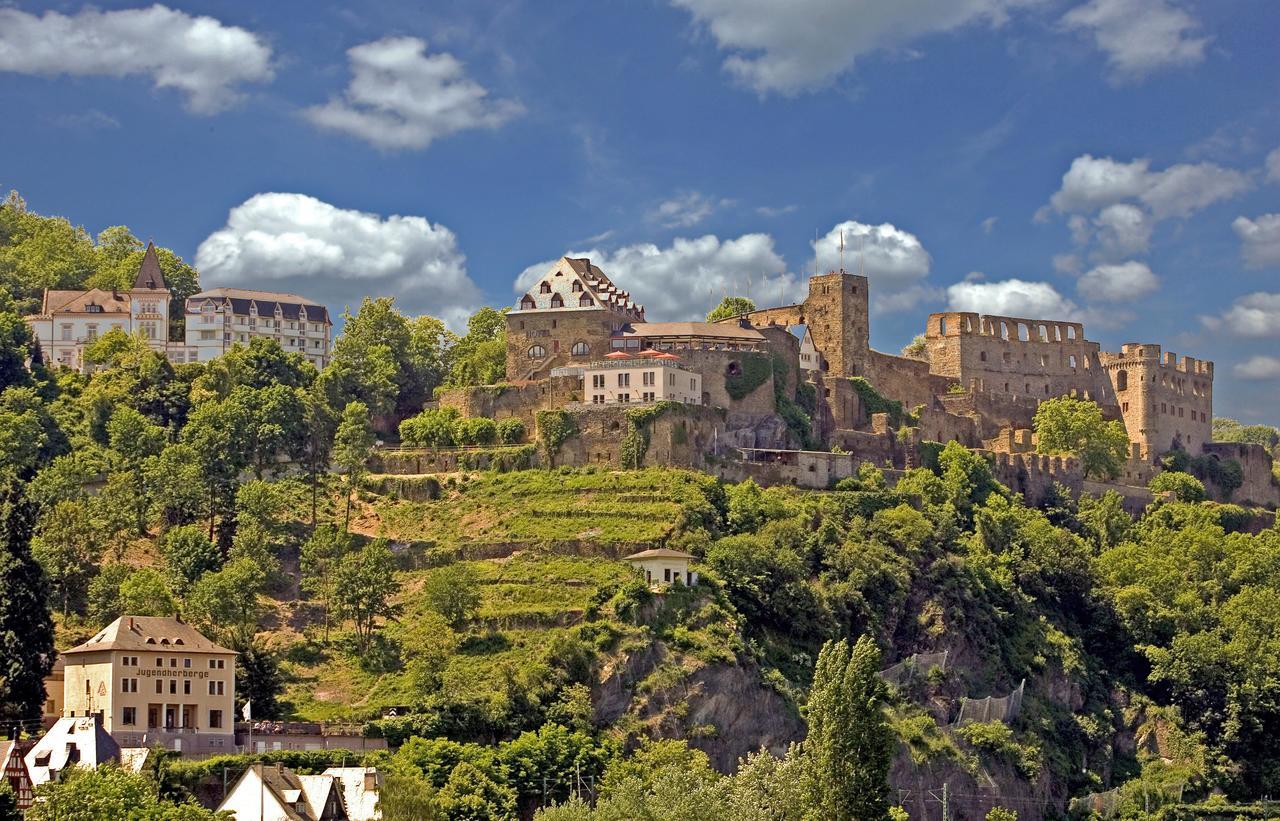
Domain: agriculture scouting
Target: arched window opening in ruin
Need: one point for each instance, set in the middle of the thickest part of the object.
(734, 369)
(1122, 380)
(1071, 332)
(584, 301)
(614, 425)
(942, 326)
(1071, 360)
(544, 288)
(537, 352)
(1046, 390)
(527, 303)
(579, 349)
(1024, 332)
(1044, 333)
(557, 301)
(982, 355)
(968, 324)
(1004, 330)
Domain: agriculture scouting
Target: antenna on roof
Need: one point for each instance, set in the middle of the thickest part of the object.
(842, 250)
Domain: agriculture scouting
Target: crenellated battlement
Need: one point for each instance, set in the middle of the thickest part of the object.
(1149, 354)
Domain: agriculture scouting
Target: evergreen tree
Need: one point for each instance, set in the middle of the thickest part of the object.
(26, 625)
(258, 681)
(850, 746)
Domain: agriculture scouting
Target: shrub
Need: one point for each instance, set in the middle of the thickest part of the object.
(429, 429)
(1183, 486)
(511, 431)
(475, 431)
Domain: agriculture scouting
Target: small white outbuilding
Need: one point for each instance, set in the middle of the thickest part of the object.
(662, 567)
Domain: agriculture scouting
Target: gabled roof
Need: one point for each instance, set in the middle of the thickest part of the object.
(72, 302)
(150, 277)
(318, 789)
(595, 284)
(287, 790)
(148, 634)
(80, 742)
(361, 801)
(660, 553)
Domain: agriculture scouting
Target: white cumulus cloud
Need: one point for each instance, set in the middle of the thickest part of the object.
(1139, 36)
(1012, 297)
(805, 44)
(1121, 282)
(199, 56)
(894, 260)
(1258, 368)
(1259, 240)
(1123, 229)
(1256, 315)
(1094, 183)
(400, 97)
(299, 244)
(689, 277)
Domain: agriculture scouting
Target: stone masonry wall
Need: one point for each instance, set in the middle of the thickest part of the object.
(1165, 401)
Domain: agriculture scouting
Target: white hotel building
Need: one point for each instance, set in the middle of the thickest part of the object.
(216, 319)
(221, 317)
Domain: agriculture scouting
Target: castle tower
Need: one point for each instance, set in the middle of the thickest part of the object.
(1166, 402)
(838, 319)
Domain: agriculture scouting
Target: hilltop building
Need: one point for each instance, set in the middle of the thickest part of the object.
(795, 393)
(663, 567)
(69, 321)
(221, 317)
(151, 680)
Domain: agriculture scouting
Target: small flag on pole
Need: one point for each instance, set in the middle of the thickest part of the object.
(245, 710)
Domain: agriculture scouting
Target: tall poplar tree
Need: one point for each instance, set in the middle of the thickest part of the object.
(850, 746)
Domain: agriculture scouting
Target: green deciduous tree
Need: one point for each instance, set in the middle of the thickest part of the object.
(67, 546)
(479, 357)
(188, 555)
(146, 593)
(104, 603)
(133, 440)
(471, 795)
(453, 591)
(731, 306)
(107, 791)
(849, 746)
(177, 487)
(352, 446)
(1075, 426)
(433, 428)
(225, 603)
(364, 584)
(319, 561)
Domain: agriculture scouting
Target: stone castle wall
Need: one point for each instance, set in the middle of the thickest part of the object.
(1260, 486)
(1166, 402)
(514, 401)
(1034, 359)
(556, 332)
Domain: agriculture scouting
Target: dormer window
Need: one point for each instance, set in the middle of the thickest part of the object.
(577, 287)
(557, 301)
(544, 288)
(527, 303)
(585, 301)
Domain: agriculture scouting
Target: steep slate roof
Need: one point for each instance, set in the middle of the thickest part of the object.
(80, 741)
(596, 284)
(660, 553)
(242, 298)
(287, 789)
(150, 277)
(318, 788)
(148, 634)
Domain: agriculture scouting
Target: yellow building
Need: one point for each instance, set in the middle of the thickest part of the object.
(154, 681)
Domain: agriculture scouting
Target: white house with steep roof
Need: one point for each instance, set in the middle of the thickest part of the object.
(663, 567)
(69, 321)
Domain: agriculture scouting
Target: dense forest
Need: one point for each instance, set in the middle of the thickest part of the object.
(237, 494)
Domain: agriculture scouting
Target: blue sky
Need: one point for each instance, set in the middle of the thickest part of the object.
(1103, 160)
